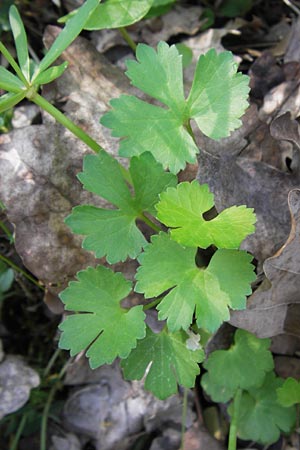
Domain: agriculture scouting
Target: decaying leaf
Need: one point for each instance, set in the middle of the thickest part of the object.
(39, 164)
(271, 308)
(251, 181)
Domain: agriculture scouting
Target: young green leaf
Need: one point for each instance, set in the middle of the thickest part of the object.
(244, 365)
(206, 292)
(218, 97)
(183, 207)
(113, 232)
(102, 324)
(163, 131)
(72, 29)
(171, 363)
(118, 13)
(20, 39)
(10, 99)
(9, 82)
(289, 393)
(48, 75)
(260, 417)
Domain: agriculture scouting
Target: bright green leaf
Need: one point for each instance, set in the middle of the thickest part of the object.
(171, 363)
(9, 82)
(261, 418)
(216, 94)
(102, 325)
(20, 39)
(218, 97)
(72, 29)
(48, 75)
(150, 128)
(113, 232)
(118, 13)
(166, 81)
(208, 292)
(183, 207)
(159, 7)
(289, 393)
(9, 100)
(244, 365)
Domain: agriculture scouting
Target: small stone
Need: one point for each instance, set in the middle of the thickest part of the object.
(16, 381)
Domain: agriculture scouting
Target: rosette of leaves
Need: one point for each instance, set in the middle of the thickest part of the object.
(217, 99)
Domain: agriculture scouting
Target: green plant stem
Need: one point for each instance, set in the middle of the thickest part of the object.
(13, 63)
(297, 424)
(51, 362)
(43, 440)
(190, 131)
(78, 132)
(19, 432)
(150, 223)
(21, 271)
(234, 420)
(6, 231)
(127, 38)
(184, 414)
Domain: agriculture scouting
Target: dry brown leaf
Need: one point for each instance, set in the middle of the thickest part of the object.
(268, 311)
(39, 164)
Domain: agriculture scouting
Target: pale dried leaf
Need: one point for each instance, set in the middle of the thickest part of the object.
(268, 308)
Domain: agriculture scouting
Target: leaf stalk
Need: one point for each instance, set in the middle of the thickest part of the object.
(234, 420)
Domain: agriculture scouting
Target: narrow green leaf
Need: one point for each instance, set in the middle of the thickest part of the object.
(118, 13)
(171, 362)
(20, 38)
(9, 100)
(101, 323)
(50, 74)
(244, 365)
(72, 29)
(9, 82)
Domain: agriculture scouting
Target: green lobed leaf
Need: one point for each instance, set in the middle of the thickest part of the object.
(244, 365)
(146, 127)
(113, 232)
(261, 418)
(72, 29)
(102, 325)
(9, 82)
(166, 81)
(171, 362)
(183, 207)
(118, 13)
(217, 100)
(20, 39)
(218, 96)
(208, 293)
(289, 393)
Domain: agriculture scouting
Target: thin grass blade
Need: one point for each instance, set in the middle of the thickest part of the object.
(9, 100)
(20, 38)
(72, 29)
(50, 74)
(9, 82)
